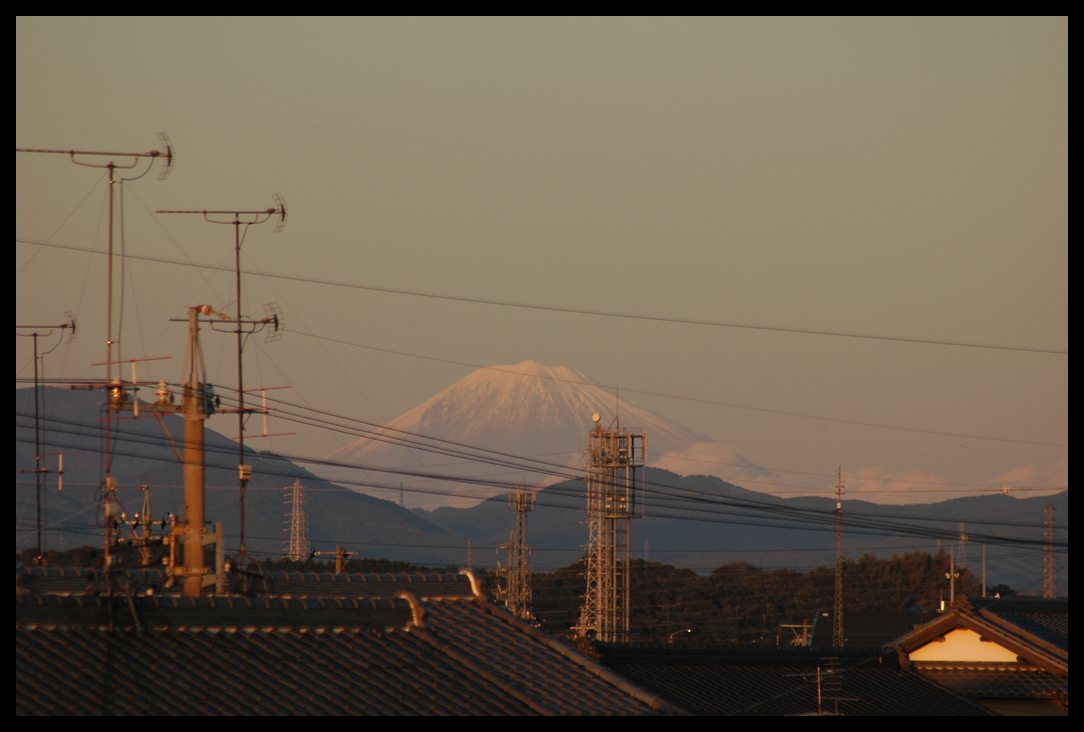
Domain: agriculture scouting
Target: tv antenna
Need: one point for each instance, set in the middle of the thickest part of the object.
(238, 218)
(138, 162)
(36, 332)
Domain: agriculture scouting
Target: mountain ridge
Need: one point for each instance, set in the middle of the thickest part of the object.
(524, 409)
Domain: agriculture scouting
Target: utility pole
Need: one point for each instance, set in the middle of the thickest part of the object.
(837, 605)
(140, 163)
(961, 545)
(614, 478)
(341, 555)
(984, 569)
(952, 575)
(1050, 579)
(41, 331)
(297, 548)
(139, 529)
(195, 414)
(238, 219)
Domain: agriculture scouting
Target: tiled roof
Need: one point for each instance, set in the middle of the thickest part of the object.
(182, 613)
(579, 687)
(764, 682)
(1044, 623)
(1052, 628)
(66, 580)
(260, 672)
(391, 654)
(1036, 630)
(864, 630)
(1002, 681)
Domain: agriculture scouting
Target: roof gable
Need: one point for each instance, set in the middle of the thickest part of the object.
(993, 628)
(963, 644)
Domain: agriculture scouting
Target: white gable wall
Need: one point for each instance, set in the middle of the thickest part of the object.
(963, 645)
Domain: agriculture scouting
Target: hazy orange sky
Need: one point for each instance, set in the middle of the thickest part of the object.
(900, 177)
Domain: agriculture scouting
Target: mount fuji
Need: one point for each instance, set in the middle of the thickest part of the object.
(499, 426)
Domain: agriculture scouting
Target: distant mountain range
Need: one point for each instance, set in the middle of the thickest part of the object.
(527, 410)
(697, 522)
(143, 455)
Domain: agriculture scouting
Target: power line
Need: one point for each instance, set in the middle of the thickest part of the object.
(685, 398)
(464, 451)
(585, 311)
(481, 455)
(691, 505)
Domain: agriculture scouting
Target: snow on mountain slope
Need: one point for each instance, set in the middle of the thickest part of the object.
(525, 410)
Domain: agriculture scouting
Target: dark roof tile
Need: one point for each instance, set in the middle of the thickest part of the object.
(1001, 681)
(748, 682)
(86, 654)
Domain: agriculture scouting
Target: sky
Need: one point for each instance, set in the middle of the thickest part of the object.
(895, 177)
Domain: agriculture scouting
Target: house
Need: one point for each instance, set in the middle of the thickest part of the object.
(1010, 655)
(759, 681)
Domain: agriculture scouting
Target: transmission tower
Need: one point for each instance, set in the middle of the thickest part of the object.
(243, 327)
(614, 477)
(837, 606)
(297, 546)
(517, 592)
(1050, 581)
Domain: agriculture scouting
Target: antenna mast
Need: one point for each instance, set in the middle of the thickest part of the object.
(140, 163)
(1050, 580)
(41, 331)
(837, 605)
(237, 219)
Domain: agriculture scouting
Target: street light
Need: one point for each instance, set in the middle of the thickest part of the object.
(670, 638)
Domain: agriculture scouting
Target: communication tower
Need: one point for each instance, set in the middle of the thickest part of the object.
(614, 478)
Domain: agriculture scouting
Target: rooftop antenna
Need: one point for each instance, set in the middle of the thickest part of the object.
(265, 411)
(139, 163)
(243, 327)
(36, 332)
(1050, 580)
(837, 605)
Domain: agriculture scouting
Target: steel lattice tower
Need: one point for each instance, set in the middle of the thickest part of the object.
(517, 596)
(1050, 582)
(297, 547)
(614, 477)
